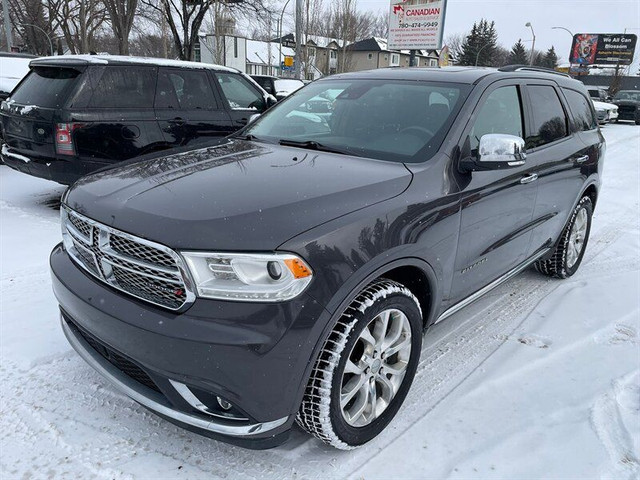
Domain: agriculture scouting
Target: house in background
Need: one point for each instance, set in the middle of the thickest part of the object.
(319, 54)
(373, 53)
(253, 57)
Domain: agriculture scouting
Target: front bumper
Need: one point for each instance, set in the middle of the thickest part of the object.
(628, 113)
(252, 355)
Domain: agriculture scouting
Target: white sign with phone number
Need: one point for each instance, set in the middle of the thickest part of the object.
(416, 24)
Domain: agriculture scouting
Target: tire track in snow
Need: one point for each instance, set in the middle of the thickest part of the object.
(606, 420)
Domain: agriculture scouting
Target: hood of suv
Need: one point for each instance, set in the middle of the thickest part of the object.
(619, 103)
(237, 196)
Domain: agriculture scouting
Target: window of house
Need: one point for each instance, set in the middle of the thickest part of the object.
(395, 59)
(370, 56)
(235, 47)
(333, 54)
(549, 121)
(197, 56)
(311, 52)
(501, 112)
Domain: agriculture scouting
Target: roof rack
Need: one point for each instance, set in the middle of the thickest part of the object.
(530, 68)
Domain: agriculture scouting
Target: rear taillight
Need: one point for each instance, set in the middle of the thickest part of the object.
(64, 138)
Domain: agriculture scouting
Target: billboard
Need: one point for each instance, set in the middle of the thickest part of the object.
(602, 49)
(416, 24)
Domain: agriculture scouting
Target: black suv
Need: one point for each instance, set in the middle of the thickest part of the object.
(288, 274)
(628, 102)
(72, 115)
(280, 88)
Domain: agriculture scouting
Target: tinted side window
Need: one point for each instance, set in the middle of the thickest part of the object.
(549, 120)
(581, 109)
(184, 89)
(239, 92)
(125, 87)
(500, 113)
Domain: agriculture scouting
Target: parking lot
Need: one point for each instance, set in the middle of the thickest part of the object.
(539, 378)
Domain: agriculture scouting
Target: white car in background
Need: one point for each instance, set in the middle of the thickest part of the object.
(13, 68)
(607, 112)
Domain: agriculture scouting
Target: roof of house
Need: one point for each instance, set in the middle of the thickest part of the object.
(266, 53)
(322, 42)
(378, 44)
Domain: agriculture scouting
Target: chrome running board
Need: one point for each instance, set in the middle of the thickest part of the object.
(475, 296)
(153, 400)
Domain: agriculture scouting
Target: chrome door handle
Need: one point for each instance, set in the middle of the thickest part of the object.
(581, 159)
(529, 178)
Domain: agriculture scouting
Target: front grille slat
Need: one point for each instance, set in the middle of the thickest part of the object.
(143, 269)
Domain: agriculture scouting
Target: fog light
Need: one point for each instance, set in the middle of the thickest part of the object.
(223, 403)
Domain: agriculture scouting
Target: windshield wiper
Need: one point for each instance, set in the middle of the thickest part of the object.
(313, 145)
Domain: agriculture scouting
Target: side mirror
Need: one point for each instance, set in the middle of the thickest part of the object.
(270, 101)
(496, 151)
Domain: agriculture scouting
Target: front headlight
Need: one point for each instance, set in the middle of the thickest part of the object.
(248, 277)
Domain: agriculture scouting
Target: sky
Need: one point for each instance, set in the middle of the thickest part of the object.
(584, 16)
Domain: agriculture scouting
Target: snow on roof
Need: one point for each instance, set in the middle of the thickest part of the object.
(323, 42)
(106, 59)
(266, 53)
(382, 43)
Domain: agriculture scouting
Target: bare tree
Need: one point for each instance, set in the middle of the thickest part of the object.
(380, 27)
(80, 22)
(454, 42)
(121, 14)
(185, 17)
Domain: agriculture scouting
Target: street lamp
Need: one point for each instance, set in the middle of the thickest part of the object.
(565, 29)
(280, 36)
(533, 42)
(478, 54)
(42, 30)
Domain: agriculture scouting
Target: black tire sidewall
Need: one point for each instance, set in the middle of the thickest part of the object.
(355, 436)
(588, 206)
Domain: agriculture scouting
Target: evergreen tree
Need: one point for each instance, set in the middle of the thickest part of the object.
(550, 59)
(480, 45)
(518, 54)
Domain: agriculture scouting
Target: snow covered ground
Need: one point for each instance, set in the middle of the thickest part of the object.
(540, 378)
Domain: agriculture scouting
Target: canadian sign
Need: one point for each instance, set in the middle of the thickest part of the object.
(602, 49)
(416, 24)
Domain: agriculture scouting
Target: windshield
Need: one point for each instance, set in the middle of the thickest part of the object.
(388, 120)
(287, 86)
(628, 95)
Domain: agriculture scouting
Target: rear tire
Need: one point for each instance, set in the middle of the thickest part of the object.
(569, 251)
(352, 393)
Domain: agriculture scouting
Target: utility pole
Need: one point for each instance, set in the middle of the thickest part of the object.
(7, 24)
(412, 58)
(298, 59)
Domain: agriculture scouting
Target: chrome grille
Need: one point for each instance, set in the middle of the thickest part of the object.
(143, 269)
(134, 249)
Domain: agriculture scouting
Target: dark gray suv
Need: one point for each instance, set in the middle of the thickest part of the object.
(288, 273)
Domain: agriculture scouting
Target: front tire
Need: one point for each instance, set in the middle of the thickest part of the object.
(569, 251)
(365, 368)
